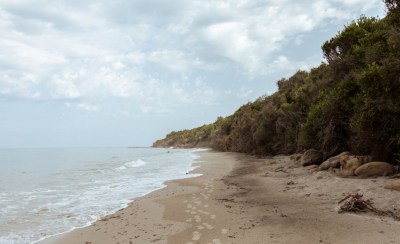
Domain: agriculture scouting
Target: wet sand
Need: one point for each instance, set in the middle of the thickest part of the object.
(243, 199)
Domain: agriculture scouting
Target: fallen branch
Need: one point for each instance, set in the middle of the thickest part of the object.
(355, 203)
(225, 199)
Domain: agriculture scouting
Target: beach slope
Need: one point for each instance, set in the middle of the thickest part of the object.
(243, 199)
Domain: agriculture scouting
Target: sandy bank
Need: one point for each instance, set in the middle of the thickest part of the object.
(241, 199)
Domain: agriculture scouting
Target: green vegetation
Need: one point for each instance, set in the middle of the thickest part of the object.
(351, 102)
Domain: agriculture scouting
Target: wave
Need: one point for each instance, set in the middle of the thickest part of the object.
(132, 164)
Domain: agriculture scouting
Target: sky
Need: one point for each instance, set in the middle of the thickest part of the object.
(78, 73)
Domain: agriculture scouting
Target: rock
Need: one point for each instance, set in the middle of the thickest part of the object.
(396, 175)
(348, 164)
(365, 159)
(332, 162)
(296, 157)
(343, 160)
(270, 161)
(319, 175)
(394, 185)
(374, 169)
(327, 165)
(310, 157)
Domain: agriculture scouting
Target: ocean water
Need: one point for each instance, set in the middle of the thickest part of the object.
(44, 192)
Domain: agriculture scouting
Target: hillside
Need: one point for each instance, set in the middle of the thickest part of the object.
(351, 102)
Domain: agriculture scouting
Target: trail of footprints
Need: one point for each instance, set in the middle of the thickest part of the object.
(199, 214)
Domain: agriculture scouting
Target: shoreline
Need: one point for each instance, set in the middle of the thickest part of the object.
(163, 184)
(243, 199)
(64, 237)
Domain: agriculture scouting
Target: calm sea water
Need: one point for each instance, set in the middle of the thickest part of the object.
(44, 192)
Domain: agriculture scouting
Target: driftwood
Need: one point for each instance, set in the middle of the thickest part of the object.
(354, 202)
(396, 176)
(226, 200)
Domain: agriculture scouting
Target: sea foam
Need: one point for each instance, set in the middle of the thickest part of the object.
(132, 164)
(71, 188)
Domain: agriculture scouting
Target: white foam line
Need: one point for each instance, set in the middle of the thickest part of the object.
(186, 176)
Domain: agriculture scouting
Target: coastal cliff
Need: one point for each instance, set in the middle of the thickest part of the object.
(348, 103)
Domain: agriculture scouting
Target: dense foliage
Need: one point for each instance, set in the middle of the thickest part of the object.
(351, 102)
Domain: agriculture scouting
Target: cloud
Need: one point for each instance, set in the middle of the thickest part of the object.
(135, 70)
(253, 32)
(171, 59)
(88, 107)
(82, 106)
(158, 54)
(286, 66)
(65, 87)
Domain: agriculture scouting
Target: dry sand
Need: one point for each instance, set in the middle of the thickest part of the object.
(242, 199)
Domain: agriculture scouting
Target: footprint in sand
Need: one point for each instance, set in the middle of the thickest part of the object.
(208, 226)
(196, 236)
(217, 241)
(197, 218)
(204, 212)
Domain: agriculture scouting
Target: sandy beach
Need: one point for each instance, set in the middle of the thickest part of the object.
(243, 199)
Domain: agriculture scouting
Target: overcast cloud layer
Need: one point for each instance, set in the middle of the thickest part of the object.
(126, 72)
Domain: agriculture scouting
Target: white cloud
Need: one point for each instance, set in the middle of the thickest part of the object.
(232, 40)
(152, 53)
(286, 66)
(82, 106)
(364, 4)
(248, 32)
(171, 59)
(138, 65)
(65, 87)
(88, 107)
(23, 56)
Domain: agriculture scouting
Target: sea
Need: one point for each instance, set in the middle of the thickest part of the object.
(49, 191)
